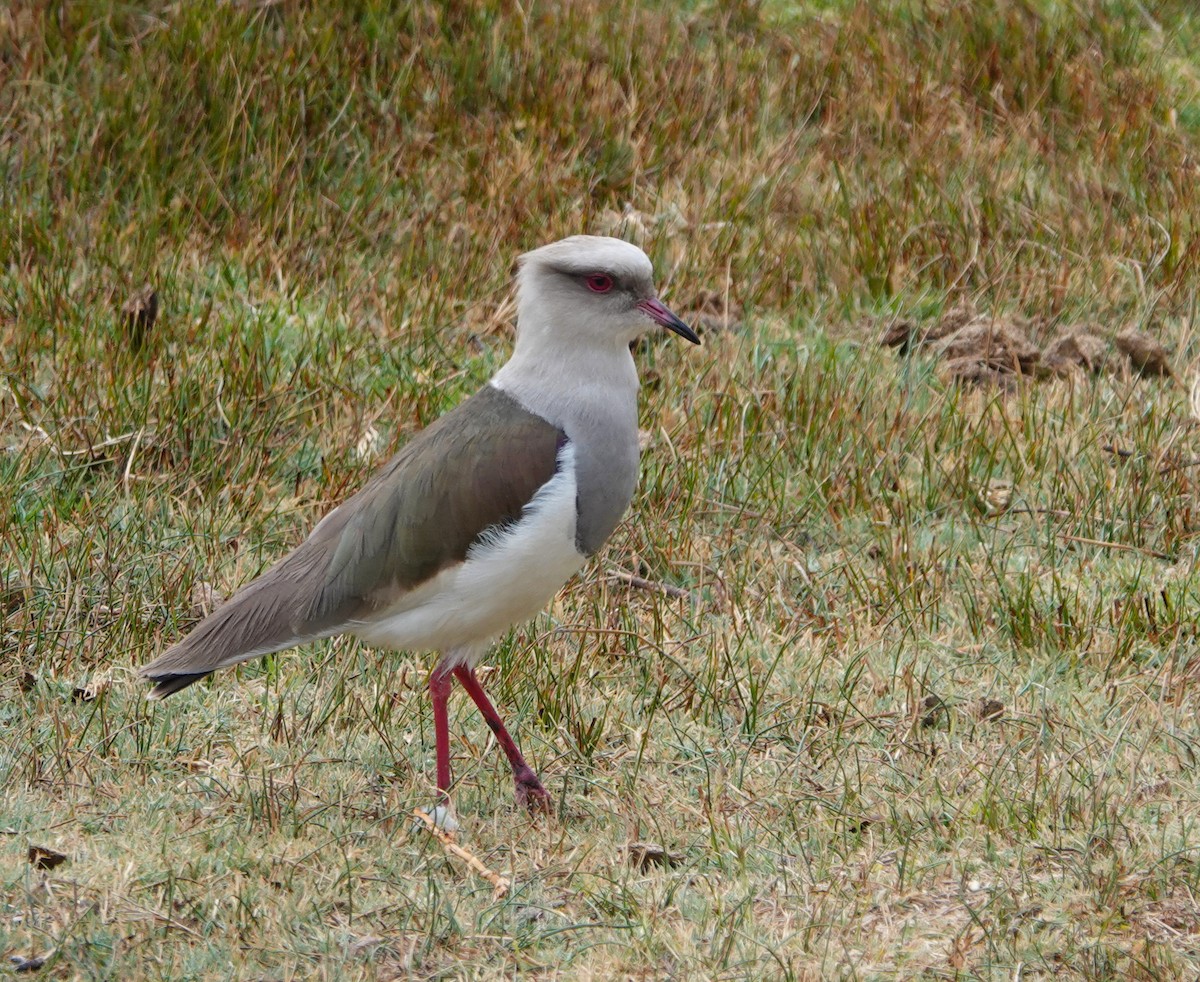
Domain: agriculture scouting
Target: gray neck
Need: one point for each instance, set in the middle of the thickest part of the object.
(592, 397)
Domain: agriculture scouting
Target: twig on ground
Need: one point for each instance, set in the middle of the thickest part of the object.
(1179, 465)
(1123, 546)
(500, 884)
(641, 583)
(112, 441)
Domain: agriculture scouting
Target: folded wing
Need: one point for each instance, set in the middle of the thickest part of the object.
(472, 470)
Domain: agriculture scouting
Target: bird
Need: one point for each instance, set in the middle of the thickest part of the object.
(477, 521)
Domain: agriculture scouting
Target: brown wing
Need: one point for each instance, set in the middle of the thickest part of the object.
(474, 469)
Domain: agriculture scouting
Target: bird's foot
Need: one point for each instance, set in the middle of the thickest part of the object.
(442, 817)
(530, 793)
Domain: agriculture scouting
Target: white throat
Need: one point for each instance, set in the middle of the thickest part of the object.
(565, 379)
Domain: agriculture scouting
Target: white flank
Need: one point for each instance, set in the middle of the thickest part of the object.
(505, 579)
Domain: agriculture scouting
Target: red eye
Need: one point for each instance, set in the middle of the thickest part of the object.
(599, 283)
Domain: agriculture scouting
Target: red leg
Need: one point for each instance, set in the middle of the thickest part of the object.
(440, 683)
(530, 792)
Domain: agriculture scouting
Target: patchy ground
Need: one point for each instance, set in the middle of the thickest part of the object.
(979, 348)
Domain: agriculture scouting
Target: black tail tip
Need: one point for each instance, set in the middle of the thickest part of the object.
(168, 684)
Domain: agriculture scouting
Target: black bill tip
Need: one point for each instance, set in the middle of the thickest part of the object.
(658, 312)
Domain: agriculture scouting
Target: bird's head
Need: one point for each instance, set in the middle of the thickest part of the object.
(590, 290)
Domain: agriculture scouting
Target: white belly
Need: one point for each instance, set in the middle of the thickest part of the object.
(505, 580)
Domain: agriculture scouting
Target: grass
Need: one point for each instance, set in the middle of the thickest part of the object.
(897, 732)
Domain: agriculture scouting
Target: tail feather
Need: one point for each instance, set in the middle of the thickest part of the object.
(259, 619)
(168, 684)
(270, 613)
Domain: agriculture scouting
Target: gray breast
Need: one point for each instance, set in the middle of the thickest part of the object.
(606, 472)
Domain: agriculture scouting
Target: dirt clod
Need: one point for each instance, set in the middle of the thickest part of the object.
(979, 349)
(643, 855)
(970, 371)
(990, 709)
(13, 595)
(907, 334)
(1146, 354)
(933, 709)
(43, 857)
(21, 963)
(1077, 347)
(713, 312)
(997, 344)
(205, 598)
(90, 692)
